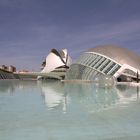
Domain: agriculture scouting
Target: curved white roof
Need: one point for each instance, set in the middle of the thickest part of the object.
(119, 54)
(55, 59)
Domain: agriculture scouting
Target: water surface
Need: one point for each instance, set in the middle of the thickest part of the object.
(31, 110)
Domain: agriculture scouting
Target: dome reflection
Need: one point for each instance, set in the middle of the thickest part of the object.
(87, 96)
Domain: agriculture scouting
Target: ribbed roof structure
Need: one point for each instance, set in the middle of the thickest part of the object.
(119, 54)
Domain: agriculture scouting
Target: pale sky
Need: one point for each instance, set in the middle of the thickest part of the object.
(29, 29)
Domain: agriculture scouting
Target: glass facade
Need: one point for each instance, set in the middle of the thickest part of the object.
(89, 65)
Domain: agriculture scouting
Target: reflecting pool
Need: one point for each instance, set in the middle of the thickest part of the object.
(31, 110)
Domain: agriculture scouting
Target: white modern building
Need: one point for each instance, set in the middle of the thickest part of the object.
(56, 64)
(118, 62)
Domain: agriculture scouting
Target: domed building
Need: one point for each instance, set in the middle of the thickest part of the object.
(118, 62)
(56, 64)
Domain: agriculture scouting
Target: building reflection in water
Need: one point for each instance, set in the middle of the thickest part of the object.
(87, 96)
(10, 86)
(137, 92)
(7, 87)
(54, 95)
(127, 93)
(65, 96)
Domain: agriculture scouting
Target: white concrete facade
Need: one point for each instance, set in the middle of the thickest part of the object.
(56, 59)
(121, 63)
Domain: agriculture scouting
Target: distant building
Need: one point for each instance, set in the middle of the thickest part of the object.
(8, 68)
(11, 68)
(3, 67)
(101, 61)
(23, 71)
(7, 72)
(56, 64)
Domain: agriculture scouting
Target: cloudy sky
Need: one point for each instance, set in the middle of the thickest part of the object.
(29, 29)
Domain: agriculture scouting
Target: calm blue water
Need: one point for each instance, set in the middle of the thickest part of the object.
(32, 110)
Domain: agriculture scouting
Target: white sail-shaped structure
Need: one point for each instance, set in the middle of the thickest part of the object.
(56, 64)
